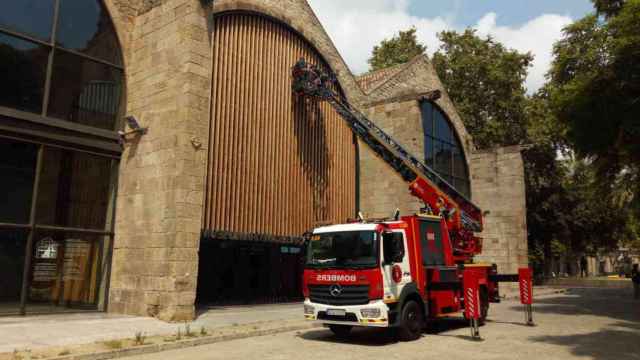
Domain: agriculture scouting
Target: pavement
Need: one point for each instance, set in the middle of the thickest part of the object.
(601, 282)
(36, 332)
(582, 323)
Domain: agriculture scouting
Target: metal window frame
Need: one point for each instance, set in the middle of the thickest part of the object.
(433, 139)
(33, 226)
(48, 132)
(103, 139)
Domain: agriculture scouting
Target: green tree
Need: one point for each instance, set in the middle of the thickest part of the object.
(398, 50)
(595, 91)
(564, 207)
(546, 196)
(608, 7)
(485, 80)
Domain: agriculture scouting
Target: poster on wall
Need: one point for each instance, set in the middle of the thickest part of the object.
(45, 268)
(76, 253)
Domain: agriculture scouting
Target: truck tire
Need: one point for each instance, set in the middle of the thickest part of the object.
(340, 331)
(411, 322)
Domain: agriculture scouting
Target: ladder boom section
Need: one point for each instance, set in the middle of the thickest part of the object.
(439, 197)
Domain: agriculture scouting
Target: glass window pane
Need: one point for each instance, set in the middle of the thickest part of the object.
(427, 118)
(31, 17)
(64, 270)
(431, 243)
(467, 189)
(85, 91)
(443, 158)
(17, 174)
(23, 68)
(428, 151)
(464, 188)
(443, 130)
(85, 26)
(12, 250)
(459, 167)
(74, 189)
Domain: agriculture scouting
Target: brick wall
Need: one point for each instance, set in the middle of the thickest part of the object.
(167, 50)
(166, 44)
(382, 190)
(159, 204)
(497, 184)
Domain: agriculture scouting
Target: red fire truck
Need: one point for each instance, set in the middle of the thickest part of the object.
(398, 272)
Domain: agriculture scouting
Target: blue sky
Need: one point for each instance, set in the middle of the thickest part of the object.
(510, 12)
(355, 26)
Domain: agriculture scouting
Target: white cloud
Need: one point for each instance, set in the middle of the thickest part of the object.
(536, 36)
(356, 26)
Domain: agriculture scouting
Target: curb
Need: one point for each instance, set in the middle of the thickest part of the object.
(592, 283)
(155, 348)
(538, 293)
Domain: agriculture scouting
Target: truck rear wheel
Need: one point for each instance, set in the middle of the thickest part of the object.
(411, 322)
(341, 331)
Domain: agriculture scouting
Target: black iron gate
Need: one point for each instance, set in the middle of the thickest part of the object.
(249, 269)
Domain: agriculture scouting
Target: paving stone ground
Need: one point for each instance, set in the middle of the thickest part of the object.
(583, 323)
(36, 332)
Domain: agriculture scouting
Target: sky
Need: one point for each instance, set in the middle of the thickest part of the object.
(355, 26)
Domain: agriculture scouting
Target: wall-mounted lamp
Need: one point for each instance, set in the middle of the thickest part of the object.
(132, 123)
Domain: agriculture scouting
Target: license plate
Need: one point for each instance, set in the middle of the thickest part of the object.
(336, 312)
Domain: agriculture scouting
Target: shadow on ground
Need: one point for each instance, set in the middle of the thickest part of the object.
(358, 336)
(381, 337)
(618, 340)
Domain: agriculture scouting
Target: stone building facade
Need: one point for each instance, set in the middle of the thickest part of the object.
(496, 177)
(168, 58)
(170, 44)
(150, 263)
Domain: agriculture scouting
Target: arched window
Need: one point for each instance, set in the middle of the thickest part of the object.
(442, 149)
(60, 59)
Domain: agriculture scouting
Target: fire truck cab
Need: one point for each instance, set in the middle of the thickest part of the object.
(395, 273)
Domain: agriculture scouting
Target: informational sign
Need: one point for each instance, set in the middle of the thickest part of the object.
(76, 254)
(45, 268)
(45, 271)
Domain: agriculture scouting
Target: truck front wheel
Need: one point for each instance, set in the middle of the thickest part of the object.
(411, 322)
(341, 331)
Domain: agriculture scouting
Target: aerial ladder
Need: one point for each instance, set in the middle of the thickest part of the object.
(463, 217)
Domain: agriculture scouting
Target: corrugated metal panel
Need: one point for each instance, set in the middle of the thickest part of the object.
(277, 165)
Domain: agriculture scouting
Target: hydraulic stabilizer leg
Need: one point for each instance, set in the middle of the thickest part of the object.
(475, 329)
(528, 315)
(471, 285)
(526, 294)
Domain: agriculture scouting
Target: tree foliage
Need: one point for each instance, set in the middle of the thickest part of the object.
(485, 80)
(594, 84)
(608, 7)
(398, 50)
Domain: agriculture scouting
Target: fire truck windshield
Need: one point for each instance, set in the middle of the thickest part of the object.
(345, 249)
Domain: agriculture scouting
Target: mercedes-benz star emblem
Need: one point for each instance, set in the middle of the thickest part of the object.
(335, 290)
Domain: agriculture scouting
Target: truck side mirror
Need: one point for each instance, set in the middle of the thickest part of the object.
(393, 246)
